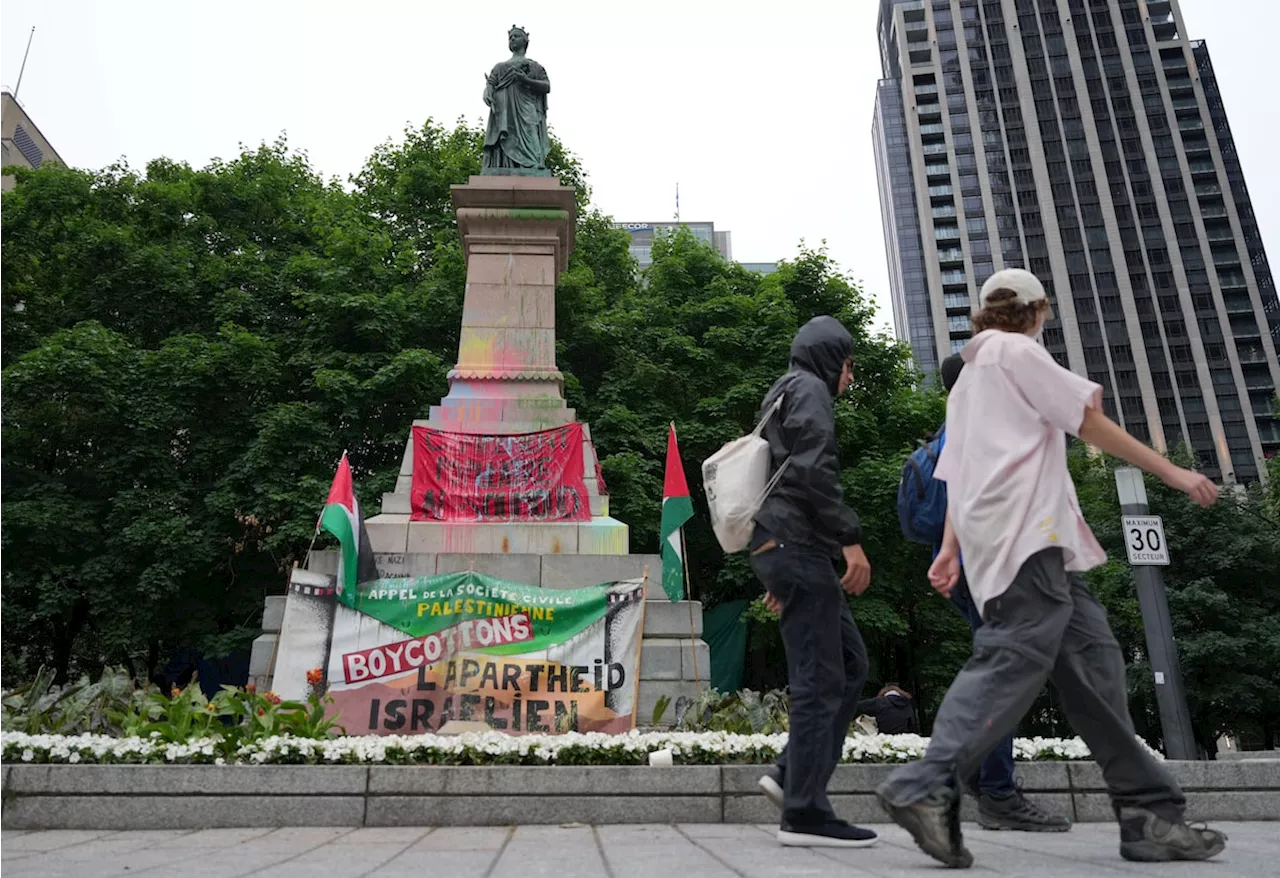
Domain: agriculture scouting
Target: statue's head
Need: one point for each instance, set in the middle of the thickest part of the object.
(517, 38)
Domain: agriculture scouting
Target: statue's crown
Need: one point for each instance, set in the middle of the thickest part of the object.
(515, 28)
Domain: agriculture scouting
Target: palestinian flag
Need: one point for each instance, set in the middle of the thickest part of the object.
(677, 508)
(342, 518)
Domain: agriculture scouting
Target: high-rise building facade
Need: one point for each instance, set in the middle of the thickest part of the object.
(642, 235)
(1086, 141)
(642, 238)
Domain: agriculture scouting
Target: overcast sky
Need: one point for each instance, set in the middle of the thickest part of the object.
(760, 111)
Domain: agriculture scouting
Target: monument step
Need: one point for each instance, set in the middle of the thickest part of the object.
(399, 503)
(506, 406)
(262, 658)
(652, 690)
(670, 658)
(393, 533)
(496, 427)
(499, 428)
(679, 619)
(548, 571)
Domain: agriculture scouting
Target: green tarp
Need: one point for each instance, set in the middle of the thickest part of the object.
(725, 631)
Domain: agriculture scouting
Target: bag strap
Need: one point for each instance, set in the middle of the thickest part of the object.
(773, 482)
(782, 467)
(769, 413)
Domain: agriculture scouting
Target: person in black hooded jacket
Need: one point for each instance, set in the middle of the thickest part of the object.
(891, 709)
(802, 529)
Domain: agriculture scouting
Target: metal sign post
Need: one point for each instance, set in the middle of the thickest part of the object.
(1148, 552)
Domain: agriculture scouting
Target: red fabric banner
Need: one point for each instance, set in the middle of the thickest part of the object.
(520, 477)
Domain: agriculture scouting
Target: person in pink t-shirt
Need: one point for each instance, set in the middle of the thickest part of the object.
(1012, 511)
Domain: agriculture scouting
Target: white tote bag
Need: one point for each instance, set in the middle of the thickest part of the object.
(736, 479)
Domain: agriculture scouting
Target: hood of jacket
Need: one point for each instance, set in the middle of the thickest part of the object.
(821, 347)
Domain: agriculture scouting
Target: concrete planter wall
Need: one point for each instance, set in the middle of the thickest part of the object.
(204, 796)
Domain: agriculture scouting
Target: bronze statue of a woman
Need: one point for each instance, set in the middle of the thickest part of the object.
(516, 142)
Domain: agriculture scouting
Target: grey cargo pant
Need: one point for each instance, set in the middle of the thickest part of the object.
(1046, 626)
(826, 669)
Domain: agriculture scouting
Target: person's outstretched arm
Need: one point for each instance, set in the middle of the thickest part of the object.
(1097, 429)
(1074, 405)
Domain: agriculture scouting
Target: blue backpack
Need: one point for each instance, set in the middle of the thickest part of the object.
(922, 499)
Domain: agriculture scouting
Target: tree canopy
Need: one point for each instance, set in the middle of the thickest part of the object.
(187, 353)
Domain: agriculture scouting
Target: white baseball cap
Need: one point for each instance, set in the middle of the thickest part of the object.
(1025, 286)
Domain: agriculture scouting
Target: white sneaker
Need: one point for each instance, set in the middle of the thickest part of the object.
(771, 786)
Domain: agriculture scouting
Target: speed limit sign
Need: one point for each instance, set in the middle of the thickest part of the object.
(1144, 540)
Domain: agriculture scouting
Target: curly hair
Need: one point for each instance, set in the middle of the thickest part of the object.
(1003, 312)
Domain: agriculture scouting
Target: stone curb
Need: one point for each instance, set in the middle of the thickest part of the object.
(180, 812)
(200, 796)
(852, 779)
(517, 810)
(586, 781)
(179, 780)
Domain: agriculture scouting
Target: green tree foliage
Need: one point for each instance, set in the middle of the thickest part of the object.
(1223, 586)
(186, 355)
(187, 352)
(713, 337)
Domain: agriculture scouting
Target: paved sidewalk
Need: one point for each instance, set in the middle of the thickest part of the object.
(687, 851)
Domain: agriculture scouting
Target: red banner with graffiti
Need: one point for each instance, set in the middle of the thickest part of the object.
(520, 477)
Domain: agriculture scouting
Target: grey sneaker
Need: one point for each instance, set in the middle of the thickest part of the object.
(1015, 811)
(934, 823)
(1146, 837)
(770, 784)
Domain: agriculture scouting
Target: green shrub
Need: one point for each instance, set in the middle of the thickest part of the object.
(119, 706)
(744, 712)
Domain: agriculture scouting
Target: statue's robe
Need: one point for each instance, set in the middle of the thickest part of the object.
(517, 132)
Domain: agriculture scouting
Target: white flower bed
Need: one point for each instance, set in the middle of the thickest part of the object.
(485, 748)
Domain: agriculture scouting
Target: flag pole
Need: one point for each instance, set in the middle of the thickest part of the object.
(635, 689)
(18, 87)
(688, 591)
(306, 561)
(23, 70)
(328, 637)
(315, 536)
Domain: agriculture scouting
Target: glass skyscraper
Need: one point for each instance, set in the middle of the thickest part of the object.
(1086, 141)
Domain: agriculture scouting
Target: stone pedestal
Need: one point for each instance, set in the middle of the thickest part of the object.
(517, 233)
(263, 657)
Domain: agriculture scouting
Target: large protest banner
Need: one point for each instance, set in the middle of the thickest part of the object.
(519, 477)
(410, 654)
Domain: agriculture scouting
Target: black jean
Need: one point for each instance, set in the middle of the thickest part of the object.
(826, 668)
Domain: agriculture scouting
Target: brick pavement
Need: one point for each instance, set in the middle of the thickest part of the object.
(639, 851)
